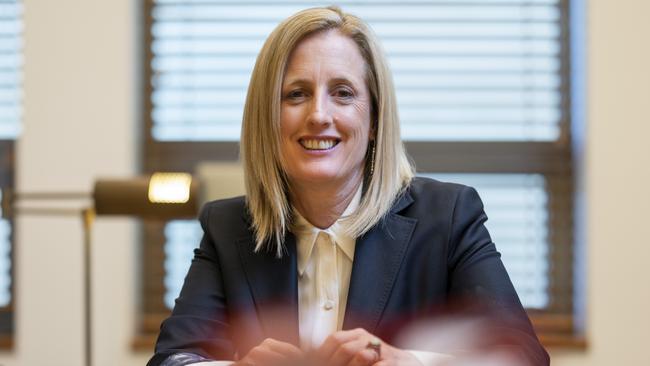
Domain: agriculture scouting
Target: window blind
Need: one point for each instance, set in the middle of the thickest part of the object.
(181, 237)
(482, 87)
(10, 68)
(10, 117)
(5, 260)
(469, 70)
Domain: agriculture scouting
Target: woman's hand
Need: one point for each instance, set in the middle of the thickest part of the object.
(350, 348)
(272, 352)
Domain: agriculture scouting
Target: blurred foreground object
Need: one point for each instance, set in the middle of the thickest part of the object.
(466, 341)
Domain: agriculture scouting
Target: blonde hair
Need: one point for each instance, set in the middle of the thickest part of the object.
(266, 182)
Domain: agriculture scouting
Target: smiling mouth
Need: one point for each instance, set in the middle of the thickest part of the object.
(319, 144)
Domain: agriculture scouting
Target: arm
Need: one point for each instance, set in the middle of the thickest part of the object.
(198, 324)
(477, 275)
(199, 329)
(184, 359)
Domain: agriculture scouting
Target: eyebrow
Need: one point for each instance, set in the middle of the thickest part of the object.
(336, 80)
(299, 81)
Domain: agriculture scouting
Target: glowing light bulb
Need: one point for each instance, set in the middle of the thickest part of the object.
(169, 187)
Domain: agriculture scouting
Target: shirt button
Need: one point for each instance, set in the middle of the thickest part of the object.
(329, 304)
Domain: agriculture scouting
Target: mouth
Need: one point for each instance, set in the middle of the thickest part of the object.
(320, 144)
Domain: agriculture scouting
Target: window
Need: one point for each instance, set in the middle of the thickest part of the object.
(10, 116)
(483, 92)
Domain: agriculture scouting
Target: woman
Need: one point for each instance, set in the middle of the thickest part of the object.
(336, 246)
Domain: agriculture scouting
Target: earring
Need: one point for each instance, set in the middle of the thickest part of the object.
(372, 159)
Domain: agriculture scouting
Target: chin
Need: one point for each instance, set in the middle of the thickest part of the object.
(320, 175)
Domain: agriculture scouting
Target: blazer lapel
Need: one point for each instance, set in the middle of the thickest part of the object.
(274, 285)
(377, 259)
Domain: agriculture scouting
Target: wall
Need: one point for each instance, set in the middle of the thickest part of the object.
(81, 120)
(617, 178)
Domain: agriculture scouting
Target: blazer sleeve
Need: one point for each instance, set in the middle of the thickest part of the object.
(478, 276)
(198, 324)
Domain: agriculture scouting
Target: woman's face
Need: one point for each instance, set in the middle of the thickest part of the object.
(325, 113)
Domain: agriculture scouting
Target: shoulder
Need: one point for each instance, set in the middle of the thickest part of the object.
(426, 190)
(228, 214)
(424, 185)
(434, 199)
(226, 206)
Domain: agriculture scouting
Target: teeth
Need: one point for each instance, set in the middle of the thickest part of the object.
(318, 144)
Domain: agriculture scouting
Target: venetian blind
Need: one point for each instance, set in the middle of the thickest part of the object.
(488, 71)
(10, 68)
(10, 116)
(464, 70)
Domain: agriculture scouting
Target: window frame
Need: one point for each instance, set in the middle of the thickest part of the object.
(7, 184)
(554, 160)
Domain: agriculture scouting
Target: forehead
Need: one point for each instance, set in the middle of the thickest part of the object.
(327, 53)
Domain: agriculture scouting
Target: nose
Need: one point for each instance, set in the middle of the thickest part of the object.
(319, 113)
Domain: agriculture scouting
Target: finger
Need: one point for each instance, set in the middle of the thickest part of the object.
(272, 352)
(364, 357)
(337, 339)
(347, 352)
(262, 355)
(283, 348)
(385, 363)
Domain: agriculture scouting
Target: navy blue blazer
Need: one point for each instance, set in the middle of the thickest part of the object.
(430, 249)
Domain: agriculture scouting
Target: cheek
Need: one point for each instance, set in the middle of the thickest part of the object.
(289, 121)
(358, 123)
(362, 110)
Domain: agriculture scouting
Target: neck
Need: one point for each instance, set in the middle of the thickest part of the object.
(322, 205)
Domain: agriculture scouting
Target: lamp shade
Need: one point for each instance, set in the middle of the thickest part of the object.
(160, 196)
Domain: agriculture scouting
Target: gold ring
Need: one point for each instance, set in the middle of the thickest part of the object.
(375, 345)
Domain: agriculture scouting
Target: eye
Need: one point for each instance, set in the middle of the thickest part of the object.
(343, 93)
(295, 94)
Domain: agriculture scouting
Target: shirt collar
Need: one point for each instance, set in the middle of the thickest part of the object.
(306, 234)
